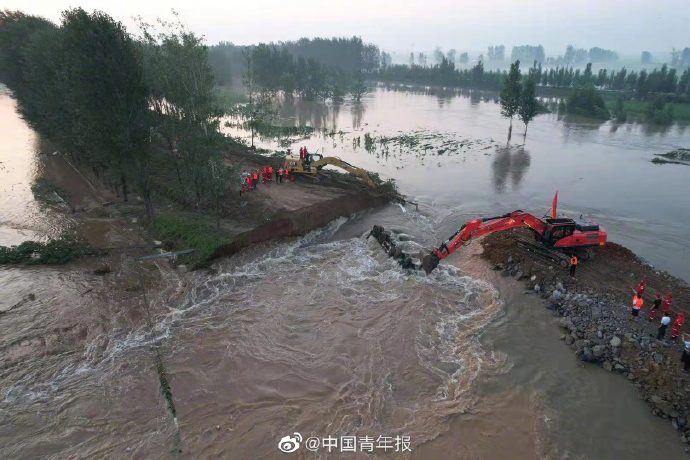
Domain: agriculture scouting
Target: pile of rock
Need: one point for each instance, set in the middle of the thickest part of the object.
(600, 330)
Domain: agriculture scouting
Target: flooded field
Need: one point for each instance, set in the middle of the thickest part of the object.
(446, 149)
(325, 335)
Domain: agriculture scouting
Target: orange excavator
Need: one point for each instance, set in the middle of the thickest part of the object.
(566, 235)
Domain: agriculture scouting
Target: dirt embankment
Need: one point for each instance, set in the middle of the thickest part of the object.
(301, 221)
(594, 310)
(272, 211)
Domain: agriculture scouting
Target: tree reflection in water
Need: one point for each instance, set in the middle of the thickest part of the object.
(510, 162)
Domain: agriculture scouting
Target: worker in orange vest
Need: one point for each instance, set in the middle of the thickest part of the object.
(255, 178)
(677, 324)
(655, 307)
(573, 264)
(637, 303)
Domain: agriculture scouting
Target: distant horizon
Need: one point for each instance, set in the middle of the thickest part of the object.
(405, 25)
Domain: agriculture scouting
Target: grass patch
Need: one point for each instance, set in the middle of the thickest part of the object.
(189, 231)
(58, 251)
(681, 110)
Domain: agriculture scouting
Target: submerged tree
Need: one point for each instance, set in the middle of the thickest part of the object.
(358, 87)
(510, 95)
(260, 109)
(528, 107)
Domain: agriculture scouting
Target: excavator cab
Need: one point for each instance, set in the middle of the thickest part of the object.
(309, 162)
(557, 229)
(572, 235)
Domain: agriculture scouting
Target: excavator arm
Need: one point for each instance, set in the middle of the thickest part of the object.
(354, 170)
(479, 227)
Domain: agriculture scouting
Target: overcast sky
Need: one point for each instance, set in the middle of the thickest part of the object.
(628, 26)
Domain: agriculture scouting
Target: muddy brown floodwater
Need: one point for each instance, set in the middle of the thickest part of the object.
(325, 336)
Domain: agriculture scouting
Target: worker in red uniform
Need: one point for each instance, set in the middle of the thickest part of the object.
(637, 303)
(301, 153)
(641, 287)
(255, 178)
(250, 182)
(655, 307)
(677, 324)
(573, 264)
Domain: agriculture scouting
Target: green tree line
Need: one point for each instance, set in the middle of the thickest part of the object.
(660, 80)
(139, 112)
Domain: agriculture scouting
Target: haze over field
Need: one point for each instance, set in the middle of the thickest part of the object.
(628, 26)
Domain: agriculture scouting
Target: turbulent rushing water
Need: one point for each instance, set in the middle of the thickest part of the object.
(326, 336)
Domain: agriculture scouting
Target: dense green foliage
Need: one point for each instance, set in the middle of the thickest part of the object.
(54, 252)
(659, 112)
(180, 231)
(586, 102)
(130, 110)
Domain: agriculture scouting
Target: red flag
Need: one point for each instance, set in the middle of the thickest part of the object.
(554, 206)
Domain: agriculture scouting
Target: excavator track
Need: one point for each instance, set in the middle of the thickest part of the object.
(541, 252)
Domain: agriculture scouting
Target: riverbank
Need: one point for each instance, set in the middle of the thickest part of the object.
(594, 310)
(272, 211)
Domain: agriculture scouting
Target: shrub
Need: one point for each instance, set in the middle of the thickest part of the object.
(587, 102)
(58, 251)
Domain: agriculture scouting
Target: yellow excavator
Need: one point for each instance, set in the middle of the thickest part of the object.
(315, 162)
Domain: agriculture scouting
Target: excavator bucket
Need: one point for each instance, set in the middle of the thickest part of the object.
(393, 250)
(429, 262)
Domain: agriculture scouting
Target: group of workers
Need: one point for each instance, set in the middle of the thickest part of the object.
(664, 305)
(660, 303)
(250, 179)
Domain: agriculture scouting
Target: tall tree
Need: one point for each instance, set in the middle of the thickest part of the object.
(104, 65)
(510, 95)
(529, 105)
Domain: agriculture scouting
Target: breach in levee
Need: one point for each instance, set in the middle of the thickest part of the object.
(558, 236)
